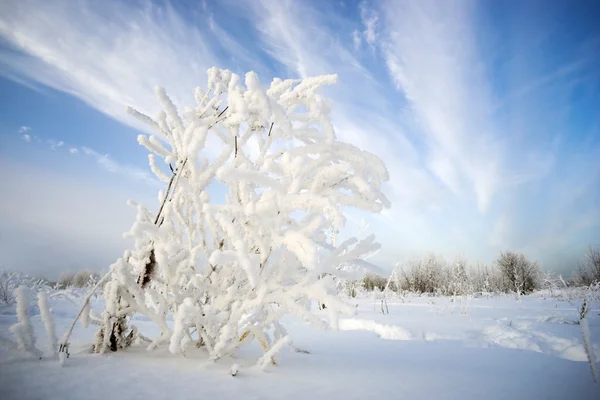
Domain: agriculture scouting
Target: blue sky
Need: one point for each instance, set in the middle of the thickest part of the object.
(486, 113)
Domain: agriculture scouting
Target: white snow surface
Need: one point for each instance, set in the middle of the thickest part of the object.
(425, 348)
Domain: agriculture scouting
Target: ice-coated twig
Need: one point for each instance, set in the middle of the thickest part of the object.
(63, 348)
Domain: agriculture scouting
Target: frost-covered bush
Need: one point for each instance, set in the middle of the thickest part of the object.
(66, 280)
(552, 284)
(354, 279)
(589, 272)
(83, 279)
(10, 281)
(80, 279)
(227, 269)
(428, 275)
(373, 282)
(486, 280)
(520, 274)
(457, 281)
(352, 288)
(7, 288)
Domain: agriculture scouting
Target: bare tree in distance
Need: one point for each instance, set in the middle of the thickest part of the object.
(589, 272)
(520, 273)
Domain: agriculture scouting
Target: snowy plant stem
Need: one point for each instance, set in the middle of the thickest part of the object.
(87, 298)
(175, 177)
(23, 330)
(587, 342)
(589, 349)
(48, 323)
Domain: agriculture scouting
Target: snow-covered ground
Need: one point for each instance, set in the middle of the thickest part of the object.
(425, 348)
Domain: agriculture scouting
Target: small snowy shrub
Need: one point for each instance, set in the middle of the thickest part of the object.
(7, 288)
(66, 280)
(80, 279)
(83, 279)
(373, 282)
(425, 276)
(227, 270)
(10, 281)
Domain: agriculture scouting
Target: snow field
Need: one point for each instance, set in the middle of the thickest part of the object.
(425, 348)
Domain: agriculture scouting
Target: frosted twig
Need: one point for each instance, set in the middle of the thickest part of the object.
(64, 343)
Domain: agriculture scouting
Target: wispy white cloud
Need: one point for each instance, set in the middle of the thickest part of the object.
(23, 133)
(573, 69)
(369, 19)
(356, 38)
(129, 171)
(126, 52)
(54, 144)
(431, 55)
(105, 161)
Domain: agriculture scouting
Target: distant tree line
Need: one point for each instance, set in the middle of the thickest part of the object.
(11, 280)
(512, 272)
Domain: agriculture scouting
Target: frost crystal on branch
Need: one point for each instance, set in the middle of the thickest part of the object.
(227, 270)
